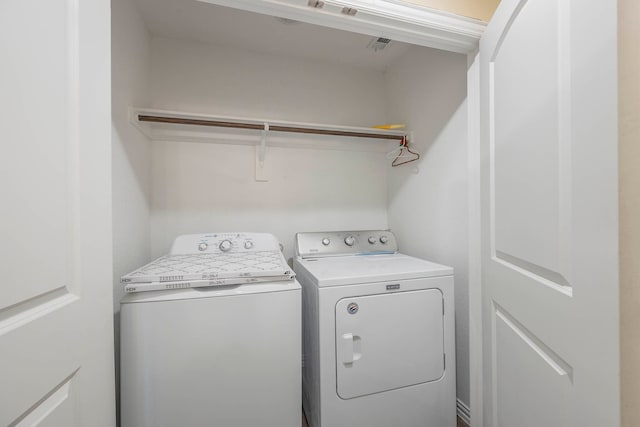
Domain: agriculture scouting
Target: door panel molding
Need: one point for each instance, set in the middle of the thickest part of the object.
(41, 206)
(35, 308)
(550, 357)
(513, 14)
(58, 404)
(540, 401)
(543, 191)
(546, 277)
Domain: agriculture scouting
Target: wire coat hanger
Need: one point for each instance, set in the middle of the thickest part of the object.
(404, 152)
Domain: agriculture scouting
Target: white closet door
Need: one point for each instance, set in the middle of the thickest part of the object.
(56, 333)
(549, 204)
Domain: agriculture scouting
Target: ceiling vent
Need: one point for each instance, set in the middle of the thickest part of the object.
(378, 43)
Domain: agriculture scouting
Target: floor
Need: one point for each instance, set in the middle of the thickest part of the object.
(460, 422)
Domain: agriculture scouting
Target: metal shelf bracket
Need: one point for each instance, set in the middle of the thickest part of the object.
(261, 175)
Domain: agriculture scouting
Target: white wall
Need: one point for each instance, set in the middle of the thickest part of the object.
(130, 149)
(428, 210)
(198, 77)
(199, 187)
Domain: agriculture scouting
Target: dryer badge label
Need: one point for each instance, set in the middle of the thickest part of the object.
(352, 308)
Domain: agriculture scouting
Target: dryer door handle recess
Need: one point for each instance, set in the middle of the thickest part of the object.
(350, 348)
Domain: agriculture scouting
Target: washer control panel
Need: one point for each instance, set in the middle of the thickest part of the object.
(337, 243)
(224, 243)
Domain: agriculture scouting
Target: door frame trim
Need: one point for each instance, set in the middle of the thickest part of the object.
(475, 240)
(390, 19)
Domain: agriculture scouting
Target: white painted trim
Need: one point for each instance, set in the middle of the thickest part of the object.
(464, 412)
(475, 261)
(397, 21)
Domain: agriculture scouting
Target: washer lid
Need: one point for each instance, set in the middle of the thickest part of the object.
(348, 270)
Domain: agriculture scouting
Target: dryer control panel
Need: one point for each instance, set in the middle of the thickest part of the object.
(340, 243)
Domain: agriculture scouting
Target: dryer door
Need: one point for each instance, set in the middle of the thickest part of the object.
(388, 341)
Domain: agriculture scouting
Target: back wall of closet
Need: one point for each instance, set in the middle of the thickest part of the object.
(200, 186)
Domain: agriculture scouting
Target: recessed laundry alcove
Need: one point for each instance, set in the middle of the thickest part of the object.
(195, 58)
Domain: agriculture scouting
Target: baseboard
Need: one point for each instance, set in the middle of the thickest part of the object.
(464, 412)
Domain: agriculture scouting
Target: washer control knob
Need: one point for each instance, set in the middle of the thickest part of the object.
(372, 239)
(225, 245)
(326, 241)
(384, 240)
(202, 246)
(248, 244)
(349, 240)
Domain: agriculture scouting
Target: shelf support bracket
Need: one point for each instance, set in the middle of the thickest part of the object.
(261, 175)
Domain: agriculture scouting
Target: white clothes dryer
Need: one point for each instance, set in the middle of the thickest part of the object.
(212, 354)
(378, 333)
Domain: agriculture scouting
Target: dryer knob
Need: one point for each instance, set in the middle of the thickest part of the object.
(372, 239)
(225, 245)
(248, 244)
(384, 240)
(202, 246)
(326, 241)
(349, 240)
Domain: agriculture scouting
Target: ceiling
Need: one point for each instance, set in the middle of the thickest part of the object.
(204, 22)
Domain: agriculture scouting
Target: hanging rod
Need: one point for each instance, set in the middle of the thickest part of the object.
(256, 126)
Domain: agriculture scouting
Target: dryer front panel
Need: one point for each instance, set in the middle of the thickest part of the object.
(388, 341)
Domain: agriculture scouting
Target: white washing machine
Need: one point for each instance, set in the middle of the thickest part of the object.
(212, 355)
(378, 333)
